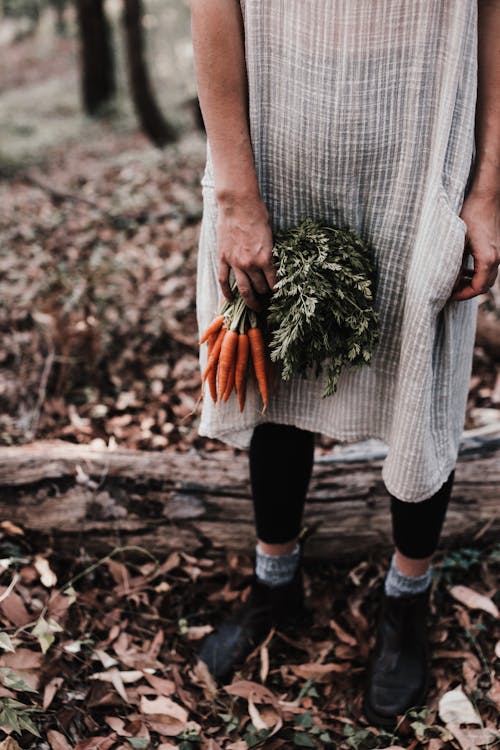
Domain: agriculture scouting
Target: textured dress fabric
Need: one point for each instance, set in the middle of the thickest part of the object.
(362, 115)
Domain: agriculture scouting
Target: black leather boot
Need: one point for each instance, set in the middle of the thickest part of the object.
(227, 647)
(398, 674)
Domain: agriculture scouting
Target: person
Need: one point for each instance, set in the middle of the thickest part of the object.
(384, 117)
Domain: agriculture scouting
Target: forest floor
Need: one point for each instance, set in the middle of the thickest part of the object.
(99, 343)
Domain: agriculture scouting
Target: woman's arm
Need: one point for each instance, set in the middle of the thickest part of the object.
(481, 209)
(244, 236)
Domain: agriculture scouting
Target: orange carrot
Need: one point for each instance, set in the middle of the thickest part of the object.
(226, 357)
(213, 372)
(241, 366)
(214, 327)
(230, 380)
(214, 354)
(257, 348)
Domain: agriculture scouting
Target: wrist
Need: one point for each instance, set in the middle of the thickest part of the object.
(486, 179)
(230, 199)
(485, 190)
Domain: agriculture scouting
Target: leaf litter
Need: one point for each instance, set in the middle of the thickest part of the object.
(134, 679)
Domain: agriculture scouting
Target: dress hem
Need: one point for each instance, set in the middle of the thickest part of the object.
(224, 435)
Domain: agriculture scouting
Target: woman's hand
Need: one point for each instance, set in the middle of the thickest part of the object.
(244, 243)
(481, 213)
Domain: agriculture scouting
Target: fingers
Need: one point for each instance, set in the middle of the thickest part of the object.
(224, 270)
(246, 290)
(473, 283)
(258, 281)
(270, 276)
(252, 282)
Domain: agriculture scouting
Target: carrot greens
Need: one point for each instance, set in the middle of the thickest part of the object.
(321, 314)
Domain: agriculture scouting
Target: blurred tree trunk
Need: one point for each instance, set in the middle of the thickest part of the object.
(150, 116)
(97, 63)
(59, 7)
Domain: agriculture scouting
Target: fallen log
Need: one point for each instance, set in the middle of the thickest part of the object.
(97, 498)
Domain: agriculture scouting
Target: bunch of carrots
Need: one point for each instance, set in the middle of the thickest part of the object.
(236, 346)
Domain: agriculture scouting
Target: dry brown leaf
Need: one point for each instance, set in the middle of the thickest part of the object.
(472, 739)
(471, 670)
(117, 725)
(344, 652)
(57, 740)
(13, 608)
(168, 727)
(435, 744)
(196, 632)
(119, 572)
(50, 691)
(264, 663)
(341, 634)
(247, 688)
(156, 643)
(26, 663)
(162, 588)
(255, 716)
(167, 746)
(272, 718)
(200, 675)
(117, 679)
(318, 672)
(443, 653)
(47, 575)
(11, 528)
(165, 707)
(22, 658)
(473, 599)
(497, 649)
(213, 745)
(105, 659)
(494, 692)
(159, 684)
(96, 743)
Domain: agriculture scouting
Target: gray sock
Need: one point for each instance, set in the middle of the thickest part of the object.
(276, 570)
(398, 584)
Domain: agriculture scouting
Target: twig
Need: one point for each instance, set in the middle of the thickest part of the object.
(58, 195)
(141, 217)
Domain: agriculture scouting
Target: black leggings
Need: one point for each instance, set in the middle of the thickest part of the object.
(281, 461)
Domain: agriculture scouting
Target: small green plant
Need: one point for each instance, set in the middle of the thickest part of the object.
(190, 739)
(424, 731)
(310, 734)
(230, 720)
(255, 736)
(16, 715)
(357, 737)
(458, 562)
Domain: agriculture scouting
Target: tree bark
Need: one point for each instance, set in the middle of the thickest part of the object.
(80, 496)
(97, 62)
(150, 116)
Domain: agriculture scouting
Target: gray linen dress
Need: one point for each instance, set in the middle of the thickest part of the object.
(362, 113)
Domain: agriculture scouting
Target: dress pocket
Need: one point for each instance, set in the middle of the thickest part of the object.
(437, 256)
(450, 234)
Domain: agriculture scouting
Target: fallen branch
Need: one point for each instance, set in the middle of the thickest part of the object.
(171, 500)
